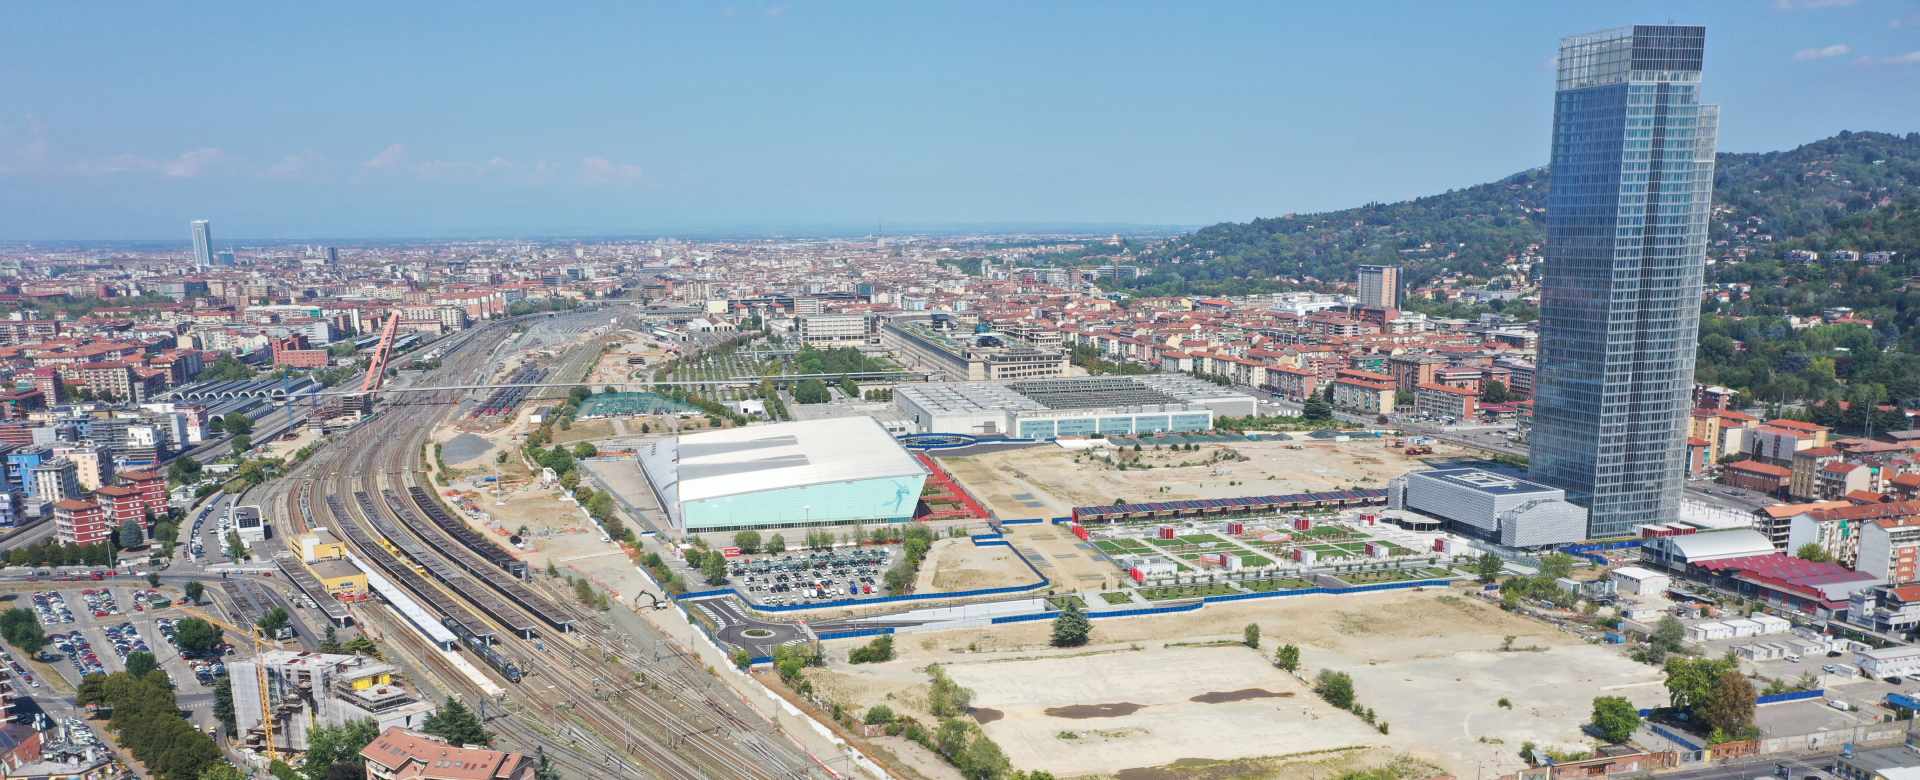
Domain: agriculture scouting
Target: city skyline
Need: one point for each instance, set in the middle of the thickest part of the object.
(1627, 219)
(832, 119)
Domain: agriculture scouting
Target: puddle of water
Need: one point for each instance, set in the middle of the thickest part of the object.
(1219, 697)
(1084, 711)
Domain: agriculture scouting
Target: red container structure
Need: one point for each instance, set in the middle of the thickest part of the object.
(1236, 529)
(1302, 523)
(1137, 575)
(1441, 545)
(1081, 532)
(1166, 532)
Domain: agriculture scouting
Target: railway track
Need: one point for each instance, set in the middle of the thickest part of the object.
(635, 716)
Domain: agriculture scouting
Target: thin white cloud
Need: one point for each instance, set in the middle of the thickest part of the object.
(294, 166)
(1823, 52)
(1789, 5)
(1910, 20)
(600, 170)
(389, 158)
(186, 165)
(191, 164)
(1910, 58)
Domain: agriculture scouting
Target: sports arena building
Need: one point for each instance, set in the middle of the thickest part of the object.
(1081, 406)
(817, 472)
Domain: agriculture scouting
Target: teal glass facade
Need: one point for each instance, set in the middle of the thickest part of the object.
(1627, 218)
(888, 499)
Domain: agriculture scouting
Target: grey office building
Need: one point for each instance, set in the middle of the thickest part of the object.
(202, 243)
(1620, 300)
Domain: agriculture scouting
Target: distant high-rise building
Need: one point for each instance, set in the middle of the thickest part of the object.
(202, 243)
(1380, 286)
(1620, 299)
(333, 255)
(225, 258)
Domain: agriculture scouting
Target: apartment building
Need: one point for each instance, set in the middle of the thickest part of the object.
(93, 463)
(79, 521)
(1890, 549)
(1363, 392)
(1445, 402)
(399, 754)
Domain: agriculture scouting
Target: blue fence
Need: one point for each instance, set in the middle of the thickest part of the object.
(1194, 605)
(1062, 520)
(980, 540)
(1792, 696)
(1576, 549)
(1024, 521)
(856, 633)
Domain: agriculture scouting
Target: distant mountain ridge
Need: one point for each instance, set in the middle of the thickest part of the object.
(1799, 197)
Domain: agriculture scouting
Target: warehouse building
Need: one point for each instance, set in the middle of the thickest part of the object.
(1514, 511)
(817, 472)
(1081, 406)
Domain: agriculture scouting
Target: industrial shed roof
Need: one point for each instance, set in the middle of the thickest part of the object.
(772, 457)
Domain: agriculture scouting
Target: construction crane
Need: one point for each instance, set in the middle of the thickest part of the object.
(260, 644)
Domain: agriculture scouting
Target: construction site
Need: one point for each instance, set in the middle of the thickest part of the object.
(1458, 683)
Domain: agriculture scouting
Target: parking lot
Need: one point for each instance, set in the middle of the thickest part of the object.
(812, 576)
(94, 630)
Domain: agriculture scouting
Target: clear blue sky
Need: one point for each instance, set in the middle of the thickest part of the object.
(126, 120)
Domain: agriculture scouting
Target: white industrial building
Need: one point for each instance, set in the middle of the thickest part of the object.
(1636, 581)
(1081, 406)
(1515, 511)
(815, 472)
(1884, 662)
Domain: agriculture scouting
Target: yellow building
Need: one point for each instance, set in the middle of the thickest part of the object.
(340, 577)
(319, 545)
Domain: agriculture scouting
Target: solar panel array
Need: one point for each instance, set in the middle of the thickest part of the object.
(482, 570)
(1241, 504)
(473, 540)
(455, 580)
(458, 619)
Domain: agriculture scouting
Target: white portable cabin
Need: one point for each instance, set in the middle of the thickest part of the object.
(1708, 631)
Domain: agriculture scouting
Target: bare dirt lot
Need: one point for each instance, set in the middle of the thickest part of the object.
(1049, 481)
(956, 564)
(1133, 710)
(1428, 662)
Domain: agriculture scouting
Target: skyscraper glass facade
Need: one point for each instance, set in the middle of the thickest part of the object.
(1620, 300)
(202, 243)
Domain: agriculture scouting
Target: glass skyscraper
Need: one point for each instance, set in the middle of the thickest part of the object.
(1620, 300)
(202, 243)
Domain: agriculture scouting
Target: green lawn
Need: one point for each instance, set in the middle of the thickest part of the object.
(1394, 575)
(1122, 547)
(1061, 602)
(1199, 539)
(1268, 586)
(1170, 592)
(1251, 561)
(1115, 599)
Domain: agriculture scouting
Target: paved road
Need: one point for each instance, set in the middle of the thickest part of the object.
(1800, 768)
(28, 534)
(740, 629)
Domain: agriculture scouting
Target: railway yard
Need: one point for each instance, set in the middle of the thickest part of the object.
(554, 675)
